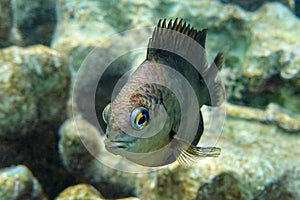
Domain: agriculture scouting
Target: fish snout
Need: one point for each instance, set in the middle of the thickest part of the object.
(118, 140)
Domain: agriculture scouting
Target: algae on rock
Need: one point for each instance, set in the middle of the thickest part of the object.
(17, 182)
(261, 47)
(81, 191)
(25, 24)
(258, 154)
(80, 148)
(34, 84)
(272, 61)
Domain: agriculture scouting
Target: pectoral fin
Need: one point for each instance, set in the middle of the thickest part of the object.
(189, 154)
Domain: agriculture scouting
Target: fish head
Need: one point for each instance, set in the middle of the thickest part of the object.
(138, 124)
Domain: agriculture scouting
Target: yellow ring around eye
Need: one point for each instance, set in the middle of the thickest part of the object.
(139, 118)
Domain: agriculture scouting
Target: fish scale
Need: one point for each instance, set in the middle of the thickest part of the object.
(156, 119)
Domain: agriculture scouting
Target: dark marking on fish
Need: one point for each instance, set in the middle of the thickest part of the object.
(172, 134)
(199, 131)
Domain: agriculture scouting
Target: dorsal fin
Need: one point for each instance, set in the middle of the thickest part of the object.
(182, 47)
(180, 27)
(161, 37)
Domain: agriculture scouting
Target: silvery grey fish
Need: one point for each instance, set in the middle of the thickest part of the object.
(156, 119)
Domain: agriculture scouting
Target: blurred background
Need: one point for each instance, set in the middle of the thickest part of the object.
(43, 44)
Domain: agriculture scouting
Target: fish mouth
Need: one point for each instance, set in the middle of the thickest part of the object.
(119, 144)
(116, 144)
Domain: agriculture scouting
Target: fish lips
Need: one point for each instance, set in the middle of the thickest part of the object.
(117, 146)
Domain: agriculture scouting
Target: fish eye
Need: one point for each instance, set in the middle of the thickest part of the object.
(105, 113)
(139, 118)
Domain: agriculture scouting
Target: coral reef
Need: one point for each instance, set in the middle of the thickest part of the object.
(272, 59)
(262, 54)
(254, 5)
(62, 146)
(81, 191)
(249, 161)
(24, 23)
(5, 21)
(34, 88)
(34, 85)
(232, 187)
(80, 146)
(19, 183)
(286, 187)
(272, 114)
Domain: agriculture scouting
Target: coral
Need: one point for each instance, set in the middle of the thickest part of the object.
(254, 155)
(226, 185)
(81, 191)
(254, 5)
(24, 23)
(6, 22)
(80, 146)
(50, 127)
(34, 85)
(18, 183)
(286, 187)
(272, 114)
(261, 47)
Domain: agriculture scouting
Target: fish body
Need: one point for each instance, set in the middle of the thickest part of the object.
(156, 119)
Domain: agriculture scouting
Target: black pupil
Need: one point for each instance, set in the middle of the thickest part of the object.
(142, 120)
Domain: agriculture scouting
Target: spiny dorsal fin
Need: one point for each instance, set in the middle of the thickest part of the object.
(181, 27)
(180, 46)
(163, 38)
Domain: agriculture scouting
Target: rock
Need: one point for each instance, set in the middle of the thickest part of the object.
(34, 88)
(27, 23)
(81, 191)
(80, 27)
(271, 64)
(74, 154)
(80, 148)
(286, 187)
(258, 159)
(297, 8)
(239, 173)
(104, 21)
(274, 114)
(18, 183)
(226, 185)
(254, 5)
(6, 22)
(34, 85)
(38, 152)
(243, 73)
(248, 164)
(18, 109)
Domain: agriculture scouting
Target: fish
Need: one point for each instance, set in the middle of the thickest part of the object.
(156, 118)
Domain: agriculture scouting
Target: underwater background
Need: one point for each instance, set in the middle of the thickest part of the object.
(43, 44)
